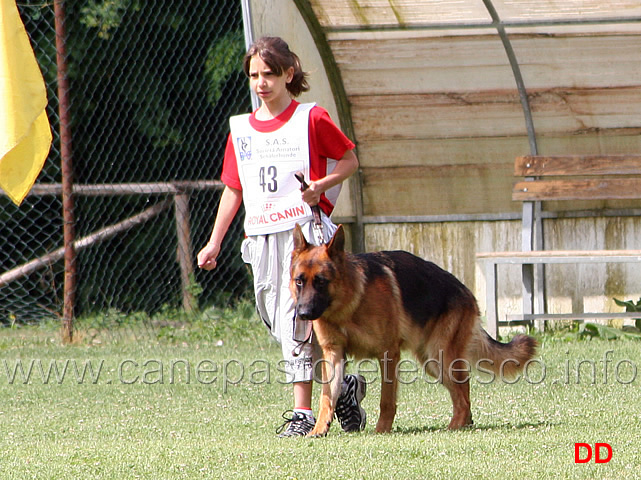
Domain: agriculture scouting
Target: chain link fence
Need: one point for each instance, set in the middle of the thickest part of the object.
(152, 84)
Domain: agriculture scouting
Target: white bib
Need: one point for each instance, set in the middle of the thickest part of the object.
(267, 163)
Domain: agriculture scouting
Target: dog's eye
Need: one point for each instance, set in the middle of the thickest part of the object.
(298, 281)
(320, 282)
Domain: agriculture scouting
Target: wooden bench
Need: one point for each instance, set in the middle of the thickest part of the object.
(559, 178)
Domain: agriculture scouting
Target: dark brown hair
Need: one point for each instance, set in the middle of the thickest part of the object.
(275, 52)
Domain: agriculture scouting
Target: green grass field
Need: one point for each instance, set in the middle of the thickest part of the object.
(171, 408)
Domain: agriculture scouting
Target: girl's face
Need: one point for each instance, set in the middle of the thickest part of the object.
(268, 86)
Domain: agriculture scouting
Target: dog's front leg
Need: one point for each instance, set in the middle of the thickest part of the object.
(333, 371)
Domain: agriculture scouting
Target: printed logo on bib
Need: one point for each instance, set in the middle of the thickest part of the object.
(244, 148)
(273, 215)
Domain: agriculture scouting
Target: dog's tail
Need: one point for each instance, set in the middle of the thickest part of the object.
(504, 359)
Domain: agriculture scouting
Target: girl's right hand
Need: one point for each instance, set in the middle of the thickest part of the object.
(207, 256)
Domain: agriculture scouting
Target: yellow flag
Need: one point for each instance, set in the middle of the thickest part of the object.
(25, 134)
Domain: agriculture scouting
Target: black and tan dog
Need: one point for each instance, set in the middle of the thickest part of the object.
(374, 305)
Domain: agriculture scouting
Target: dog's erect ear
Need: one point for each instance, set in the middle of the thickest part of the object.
(300, 243)
(336, 245)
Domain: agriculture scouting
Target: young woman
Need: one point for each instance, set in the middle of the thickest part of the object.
(264, 151)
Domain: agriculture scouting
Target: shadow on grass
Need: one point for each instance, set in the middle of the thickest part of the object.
(506, 426)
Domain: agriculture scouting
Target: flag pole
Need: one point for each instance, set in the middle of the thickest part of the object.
(69, 230)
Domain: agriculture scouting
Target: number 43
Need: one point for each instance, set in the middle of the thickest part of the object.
(267, 178)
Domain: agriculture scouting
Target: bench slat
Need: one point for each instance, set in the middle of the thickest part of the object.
(545, 257)
(582, 189)
(561, 253)
(562, 165)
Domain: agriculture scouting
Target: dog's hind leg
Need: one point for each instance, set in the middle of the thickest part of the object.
(457, 382)
(389, 389)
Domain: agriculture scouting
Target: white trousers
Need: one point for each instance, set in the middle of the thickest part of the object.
(270, 260)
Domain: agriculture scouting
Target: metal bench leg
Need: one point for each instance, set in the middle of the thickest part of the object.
(539, 298)
(528, 288)
(491, 296)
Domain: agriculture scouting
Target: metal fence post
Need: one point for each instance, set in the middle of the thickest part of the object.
(69, 231)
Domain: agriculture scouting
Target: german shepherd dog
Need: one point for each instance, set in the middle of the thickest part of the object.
(373, 305)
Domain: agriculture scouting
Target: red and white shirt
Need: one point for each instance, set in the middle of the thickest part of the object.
(262, 156)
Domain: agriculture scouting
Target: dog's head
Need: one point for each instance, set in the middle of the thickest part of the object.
(315, 273)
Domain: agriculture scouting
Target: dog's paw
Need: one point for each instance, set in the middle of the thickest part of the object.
(319, 431)
(384, 426)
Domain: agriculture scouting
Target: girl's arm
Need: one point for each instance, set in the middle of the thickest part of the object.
(345, 167)
(229, 204)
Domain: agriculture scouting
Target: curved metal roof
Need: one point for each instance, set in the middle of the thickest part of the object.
(378, 19)
(441, 95)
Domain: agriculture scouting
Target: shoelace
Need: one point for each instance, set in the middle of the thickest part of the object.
(295, 421)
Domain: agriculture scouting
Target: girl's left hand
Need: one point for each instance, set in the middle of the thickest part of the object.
(311, 196)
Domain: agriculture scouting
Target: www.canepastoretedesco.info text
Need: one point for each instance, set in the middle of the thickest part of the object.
(225, 373)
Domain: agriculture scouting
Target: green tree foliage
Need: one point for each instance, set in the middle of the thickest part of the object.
(153, 83)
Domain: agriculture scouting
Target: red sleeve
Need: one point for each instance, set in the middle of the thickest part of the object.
(327, 140)
(230, 167)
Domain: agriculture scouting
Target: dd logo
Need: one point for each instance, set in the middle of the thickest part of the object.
(583, 453)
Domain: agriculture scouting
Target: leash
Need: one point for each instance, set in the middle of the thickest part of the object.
(317, 225)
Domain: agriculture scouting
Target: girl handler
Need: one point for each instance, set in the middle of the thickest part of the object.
(264, 151)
